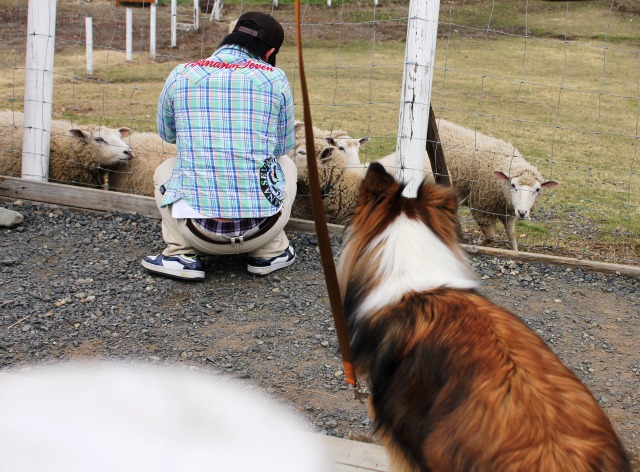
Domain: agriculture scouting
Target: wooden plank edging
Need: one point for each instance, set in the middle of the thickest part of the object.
(347, 455)
(77, 197)
(609, 267)
(101, 200)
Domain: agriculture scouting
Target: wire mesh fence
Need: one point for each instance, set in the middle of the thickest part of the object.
(559, 82)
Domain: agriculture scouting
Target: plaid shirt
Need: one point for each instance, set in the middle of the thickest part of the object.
(231, 117)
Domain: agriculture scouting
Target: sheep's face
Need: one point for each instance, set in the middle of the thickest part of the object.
(524, 191)
(107, 144)
(330, 166)
(300, 155)
(300, 160)
(350, 149)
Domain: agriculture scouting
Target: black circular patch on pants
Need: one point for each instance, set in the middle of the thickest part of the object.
(269, 181)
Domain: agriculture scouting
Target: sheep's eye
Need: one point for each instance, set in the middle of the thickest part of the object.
(98, 139)
(304, 153)
(513, 186)
(537, 190)
(341, 148)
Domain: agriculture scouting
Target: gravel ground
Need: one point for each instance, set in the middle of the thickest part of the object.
(71, 286)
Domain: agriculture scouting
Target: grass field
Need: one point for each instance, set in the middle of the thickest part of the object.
(560, 80)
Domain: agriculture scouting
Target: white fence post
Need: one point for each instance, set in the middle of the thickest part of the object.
(88, 22)
(420, 56)
(174, 22)
(196, 15)
(216, 11)
(129, 35)
(38, 89)
(152, 32)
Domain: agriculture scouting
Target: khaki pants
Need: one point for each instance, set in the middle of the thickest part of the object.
(180, 239)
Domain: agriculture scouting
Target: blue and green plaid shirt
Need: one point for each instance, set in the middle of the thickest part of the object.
(231, 117)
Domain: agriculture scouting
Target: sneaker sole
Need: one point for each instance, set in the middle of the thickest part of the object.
(268, 270)
(177, 273)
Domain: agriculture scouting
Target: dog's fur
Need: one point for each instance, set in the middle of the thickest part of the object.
(457, 382)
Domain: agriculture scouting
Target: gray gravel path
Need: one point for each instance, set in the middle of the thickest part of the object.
(71, 286)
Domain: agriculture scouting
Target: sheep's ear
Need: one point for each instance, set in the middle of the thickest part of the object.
(364, 140)
(325, 154)
(79, 134)
(298, 126)
(377, 181)
(124, 132)
(550, 184)
(501, 175)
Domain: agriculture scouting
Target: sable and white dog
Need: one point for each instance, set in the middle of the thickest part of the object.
(457, 382)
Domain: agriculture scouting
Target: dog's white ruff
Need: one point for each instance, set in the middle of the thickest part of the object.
(411, 258)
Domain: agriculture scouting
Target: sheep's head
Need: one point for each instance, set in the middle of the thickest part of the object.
(340, 139)
(300, 156)
(524, 189)
(330, 167)
(106, 144)
(349, 147)
(300, 159)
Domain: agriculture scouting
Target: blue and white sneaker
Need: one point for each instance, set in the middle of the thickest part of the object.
(181, 266)
(260, 266)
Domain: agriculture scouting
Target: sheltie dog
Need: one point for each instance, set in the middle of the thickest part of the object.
(457, 382)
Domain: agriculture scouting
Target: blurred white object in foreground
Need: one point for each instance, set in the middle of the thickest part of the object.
(113, 417)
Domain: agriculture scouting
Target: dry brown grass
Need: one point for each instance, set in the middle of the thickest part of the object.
(571, 107)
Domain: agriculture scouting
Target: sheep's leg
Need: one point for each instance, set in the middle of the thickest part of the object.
(510, 228)
(105, 180)
(489, 232)
(487, 226)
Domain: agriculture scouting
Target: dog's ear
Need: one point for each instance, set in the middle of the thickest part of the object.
(377, 181)
(438, 205)
(438, 196)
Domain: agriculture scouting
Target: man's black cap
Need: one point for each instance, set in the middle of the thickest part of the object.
(264, 27)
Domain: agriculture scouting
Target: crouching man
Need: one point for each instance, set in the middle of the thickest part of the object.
(231, 186)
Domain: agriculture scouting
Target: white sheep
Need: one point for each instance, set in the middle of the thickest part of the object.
(150, 150)
(340, 139)
(339, 185)
(490, 176)
(339, 188)
(78, 155)
(136, 177)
